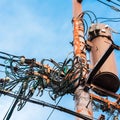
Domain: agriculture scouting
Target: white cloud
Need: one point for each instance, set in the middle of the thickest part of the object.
(28, 33)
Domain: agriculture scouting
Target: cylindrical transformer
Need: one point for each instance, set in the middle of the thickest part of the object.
(106, 77)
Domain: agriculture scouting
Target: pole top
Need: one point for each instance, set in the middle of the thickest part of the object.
(77, 7)
(80, 1)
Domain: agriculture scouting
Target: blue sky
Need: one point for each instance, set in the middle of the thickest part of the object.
(43, 29)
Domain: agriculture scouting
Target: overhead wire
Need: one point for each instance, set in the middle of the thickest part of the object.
(9, 54)
(109, 19)
(39, 102)
(113, 2)
(104, 20)
(12, 107)
(53, 109)
(112, 7)
(59, 76)
(91, 15)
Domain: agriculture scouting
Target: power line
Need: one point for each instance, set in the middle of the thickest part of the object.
(39, 102)
(54, 109)
(112, 7)
(12, 107)
(113, 2)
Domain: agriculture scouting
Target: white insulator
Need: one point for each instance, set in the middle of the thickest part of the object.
(106, 26)
(7, 79)
(115, 118)
(103, 30)
(32, 89)
(24, 85)
(39, 87)
(22, 60)
(97, 27)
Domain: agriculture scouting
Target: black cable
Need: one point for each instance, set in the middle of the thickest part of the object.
(4, 65)
(88, 11)
(90, 15)
(39, 102)
(12, 107)
(113, 2)
(111, 20)
(112, 7)
(54, 109)
(85, 24)
(10, 54)
(104, 3)
(103, 18)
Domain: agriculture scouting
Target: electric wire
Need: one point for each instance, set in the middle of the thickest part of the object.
(112, 7)
(113, 2)
(9, 54)
(88, 11)
(39, 102)
(12, 107)
(59, 76)
(109, 19)
(92, 17)
(9, 111)
(54, 109)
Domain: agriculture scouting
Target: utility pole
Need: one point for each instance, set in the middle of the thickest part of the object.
(71, 76)
(82, 98)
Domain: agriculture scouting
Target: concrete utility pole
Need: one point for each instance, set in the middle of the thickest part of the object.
(82, 98)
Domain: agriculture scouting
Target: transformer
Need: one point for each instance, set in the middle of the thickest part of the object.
(106, 77)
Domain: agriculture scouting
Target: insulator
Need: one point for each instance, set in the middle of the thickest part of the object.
(39, 87)
(7, 79)
(22, 60)
(32, 90)
(40, 91)
(115, 118)
(25, 85)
